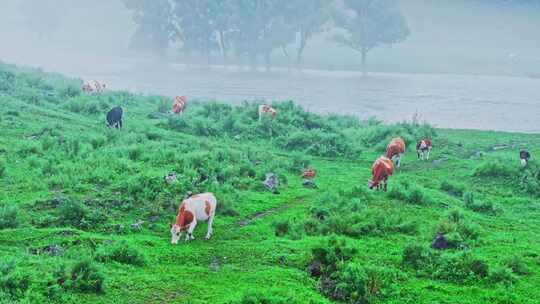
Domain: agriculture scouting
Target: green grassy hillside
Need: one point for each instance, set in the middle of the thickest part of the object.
(71, 190)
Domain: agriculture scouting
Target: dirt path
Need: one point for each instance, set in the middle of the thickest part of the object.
(263, 214)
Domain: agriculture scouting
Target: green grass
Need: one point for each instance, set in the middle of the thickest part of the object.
(68, 182)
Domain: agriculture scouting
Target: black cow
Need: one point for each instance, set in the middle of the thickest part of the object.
(114, 117)
(524, 156)
(439, 242)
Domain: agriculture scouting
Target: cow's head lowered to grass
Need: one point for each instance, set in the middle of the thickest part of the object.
(200, 207)
(183, 220)
(382, 168)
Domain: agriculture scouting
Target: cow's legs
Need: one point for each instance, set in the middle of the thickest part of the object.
(399, 160)
(385, 185)
(210, 229)
(189, 235)
(120, 123)
(427, 156)
(418, 152)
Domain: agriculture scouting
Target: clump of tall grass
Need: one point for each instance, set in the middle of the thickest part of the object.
(495, 169)
(9, 216)
(120, 252)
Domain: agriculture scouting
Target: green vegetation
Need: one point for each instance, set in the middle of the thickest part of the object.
(85, 211)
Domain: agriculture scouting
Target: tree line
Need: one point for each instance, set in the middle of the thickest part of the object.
(253, 30)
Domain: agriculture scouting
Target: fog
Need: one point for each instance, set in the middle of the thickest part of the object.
(465, 63)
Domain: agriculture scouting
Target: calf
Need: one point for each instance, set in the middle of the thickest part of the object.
(266, 109)
(382, 168)
(395, 150)
(423, 148)
(179, 104)
(200, 207)
(524, 156)
(114, 117)
(308, 174)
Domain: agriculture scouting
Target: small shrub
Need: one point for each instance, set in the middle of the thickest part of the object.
(13, 282)
(135, 154)
(260, 298)
(8, 216)
(398, 193)
(97, 142)
(226, 208)
(85, 277)
(70, 91)
(120, 252)
(452, 189)
(477, 206)
(163, 106)
(332, 254)
(456, 215)
(502, 275)
(517, 265)
(412, 195)
(76, 106)
(3, 168)
(415, 256)
(300, 162)
(416, 196)
(92, 108)
(495, 169)
(281, 228)
(73, 213)
(74, 147)
(352, 285)
(153, 136)
(460, 268)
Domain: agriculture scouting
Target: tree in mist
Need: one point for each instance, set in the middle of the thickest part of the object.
(372, 23)
(155, 27)
(260, 28)
(307, 18)
(196, 26)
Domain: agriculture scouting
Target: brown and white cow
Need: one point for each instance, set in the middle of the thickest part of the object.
(93, 86)
(395, 150)
(309, 174)
(423, 148)
(179, 104)
(199, 207)
(266, 109)
(382, 168)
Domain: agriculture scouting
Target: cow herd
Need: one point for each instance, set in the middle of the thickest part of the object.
(383, 167)
(202, 207)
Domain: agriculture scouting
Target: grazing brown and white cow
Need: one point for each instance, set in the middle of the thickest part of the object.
(266, 109)
(380, 171)
(524, 157)
(309, 174)
(87, 87)
(179, 104)
(93, 86)
(395, 150)
(199, 207)
(423, 148)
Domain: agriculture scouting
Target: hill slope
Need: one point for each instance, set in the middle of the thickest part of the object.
(73, 191)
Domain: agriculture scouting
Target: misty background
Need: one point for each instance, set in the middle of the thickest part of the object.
(458, 64)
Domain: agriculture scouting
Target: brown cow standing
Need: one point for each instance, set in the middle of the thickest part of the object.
(395, 150)
(179, 104)
(423, 147)
(382, 168)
